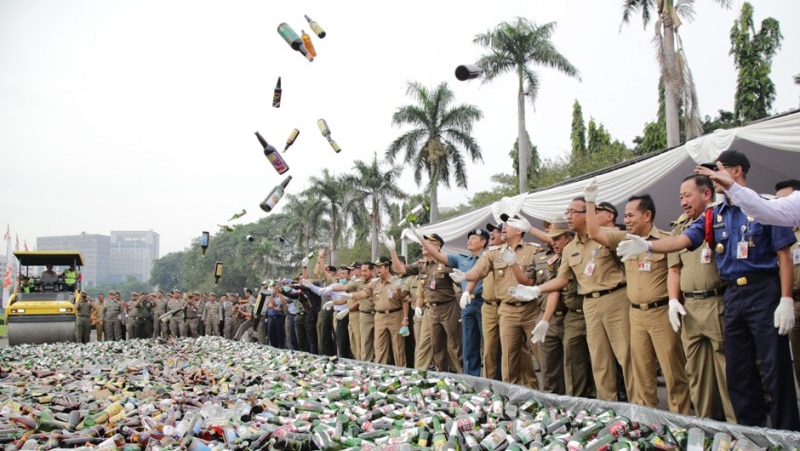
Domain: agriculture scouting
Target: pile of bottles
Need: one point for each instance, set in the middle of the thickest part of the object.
(213, 394)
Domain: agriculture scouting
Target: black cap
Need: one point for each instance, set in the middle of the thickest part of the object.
(734, 158)
(331, 268)
(498, 227)
(609, 207)
(480, 232)
(383, 261)
(434, 238)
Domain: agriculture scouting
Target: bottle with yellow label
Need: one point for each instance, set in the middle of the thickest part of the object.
(315, 27)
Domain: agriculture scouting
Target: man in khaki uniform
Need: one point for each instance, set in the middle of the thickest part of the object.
(98, 315)
(651, 336)
(357, 283)
(693, 276)
(442, 305)
(83, 323)
(160, 329)
(600, 277)
(391, 313)
(512, 264)
(212, 312)
(176, 305)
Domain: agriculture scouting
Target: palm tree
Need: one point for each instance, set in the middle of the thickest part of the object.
(515, 47)
(679, 86)
(375, 187)
(434, 143)
(302, 221)
(336, 206)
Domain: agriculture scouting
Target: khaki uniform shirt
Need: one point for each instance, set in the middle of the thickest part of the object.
(593, 266)
(438, 287)
(646, 273)
(174, 304)
(490, 262)
(160, 307)
(112, 309)
(699, 267)
(84, 308)
(547, 263)
(488, 283)
(212, 310)
(97, 313)
(386, 296)
(358, 285)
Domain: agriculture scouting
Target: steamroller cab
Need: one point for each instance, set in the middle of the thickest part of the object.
(42, 308)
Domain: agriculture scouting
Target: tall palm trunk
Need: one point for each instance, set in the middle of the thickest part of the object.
(434, 213)
(524, 150)
(672, 80)
(375, 224)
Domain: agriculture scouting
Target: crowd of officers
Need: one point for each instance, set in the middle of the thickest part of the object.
(595, 324)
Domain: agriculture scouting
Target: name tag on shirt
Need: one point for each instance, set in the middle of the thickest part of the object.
(589, 270)
(741, 250)
(705, 256)
(644, 266)
(433, 284)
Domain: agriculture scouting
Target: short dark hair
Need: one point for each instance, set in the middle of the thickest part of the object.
(580, 198)
(645, 204)
(369, 265)
(794, 184)
(701, 181)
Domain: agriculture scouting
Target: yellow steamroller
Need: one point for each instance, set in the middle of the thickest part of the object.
(42, 308)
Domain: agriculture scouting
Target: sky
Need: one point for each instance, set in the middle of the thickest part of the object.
(121, 115)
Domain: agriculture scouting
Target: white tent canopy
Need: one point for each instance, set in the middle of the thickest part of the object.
(772, 145)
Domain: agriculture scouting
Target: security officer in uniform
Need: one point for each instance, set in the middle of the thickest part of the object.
(492, 358)
(358, 280)
(98, 316)
(192, 316)
(471, 300)
(600, 277)
(160, 329)
(442, 305)
(226, 303)
(652, 337)
(512, 264)
(755, 262)
(177, 306)
(212, 312)
(111, 317)
(693, 276)
(143, 326)
(83, 323)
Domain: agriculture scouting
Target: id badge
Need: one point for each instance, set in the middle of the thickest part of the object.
(433, 283)
(644, 266)
(589, 269)
(796, 256)
(705, 256)
(741, 249)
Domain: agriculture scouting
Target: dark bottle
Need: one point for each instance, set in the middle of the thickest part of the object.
(276, 95)
(275, 195)
(315, 27)
(272, 155)
(294, 41)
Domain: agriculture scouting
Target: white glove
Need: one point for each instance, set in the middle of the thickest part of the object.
(524, 292)
(540, 331)
(675, 308)
(388, 242)
(508, 255)
(343, 295)
(633, 246)
(519, 224)
(465, 299)
(325, 290)
(417, 233)
(457, 276)
(784, 316)
(590, 192)
(304, 262)
(328, 305)
(418, 312)
(342, 314)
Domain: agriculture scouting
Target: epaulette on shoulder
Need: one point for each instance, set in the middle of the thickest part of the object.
(494, 248)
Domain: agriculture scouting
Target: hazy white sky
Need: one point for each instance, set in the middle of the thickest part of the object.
(140, 114)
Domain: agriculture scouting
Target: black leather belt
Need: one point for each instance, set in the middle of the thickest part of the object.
(649, 305)
(600, 293)
(518, 303)
(494, 303)
(704, 293)
(386, 312)
(368, 312)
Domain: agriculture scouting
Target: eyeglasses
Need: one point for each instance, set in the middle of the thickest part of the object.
(573, 211)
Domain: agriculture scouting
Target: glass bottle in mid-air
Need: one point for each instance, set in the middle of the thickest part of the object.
(275, 195)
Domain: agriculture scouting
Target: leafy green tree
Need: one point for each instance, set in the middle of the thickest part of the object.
(578, 134)
(724, 120)
(375, 187)
(515, 48)
(679, 87)
(533, 158)
(598, 137)
(301, 221)
(752, 53)
(333, 194)
(166, 271)
(434, 144)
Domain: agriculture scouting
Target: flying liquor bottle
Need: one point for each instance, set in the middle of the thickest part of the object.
(275, 195)
(290, 140)
(276, 95)
(323, 127)
(272, 155)
(294, 41)
(308, 44)
(205, 237)
(413, 216)
(315, 27)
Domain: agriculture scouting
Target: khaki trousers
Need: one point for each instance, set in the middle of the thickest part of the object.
(704, 345)
(366, 323)
(577, 363)
(354, 330)
(491, 338)
(387, 334)
(516, 324)
(423, 354)
(652, 338)
(446, 334)
(608, 333)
